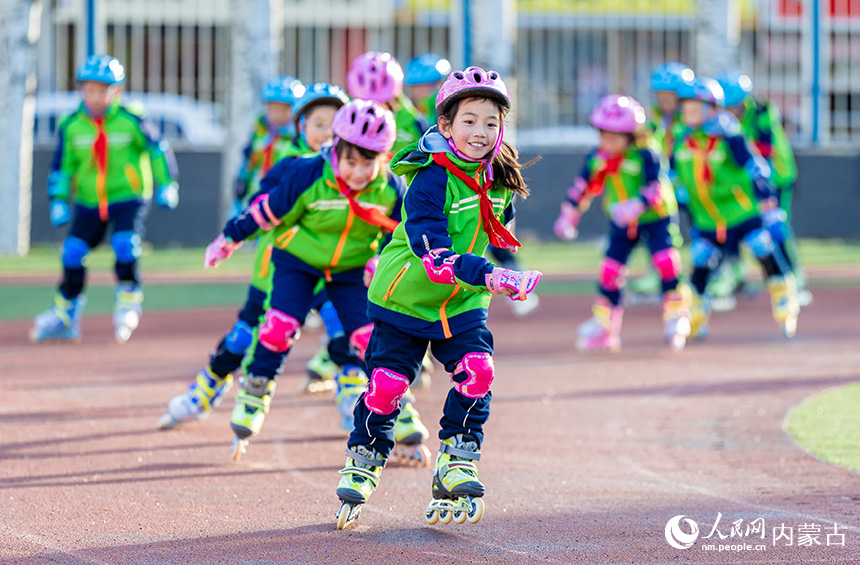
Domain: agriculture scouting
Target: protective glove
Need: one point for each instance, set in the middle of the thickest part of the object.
(514, 284)
(370, 270)
(61, 213)
(221, 248)
(167, 196)
(567, 221)
(626, 211)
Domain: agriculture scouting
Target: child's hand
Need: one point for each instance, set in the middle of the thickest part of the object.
(622, 213)
(221, 248)
(568, 220)
(370, 270)
(514, 284)
(167, 196)
(61, 213)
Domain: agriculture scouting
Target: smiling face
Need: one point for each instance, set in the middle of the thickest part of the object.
(317, 125)
(474, 128)
(356, 169)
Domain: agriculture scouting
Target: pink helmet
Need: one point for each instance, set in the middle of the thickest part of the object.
(618, 113)
(375, 76)
(366, 124)
(474, 81)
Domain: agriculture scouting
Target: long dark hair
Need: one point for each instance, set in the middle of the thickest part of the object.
(506, 165)
(345, 149)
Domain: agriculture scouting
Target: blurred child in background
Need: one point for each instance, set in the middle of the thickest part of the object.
(101, 175)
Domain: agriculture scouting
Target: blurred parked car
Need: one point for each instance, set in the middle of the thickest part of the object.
(184, 121)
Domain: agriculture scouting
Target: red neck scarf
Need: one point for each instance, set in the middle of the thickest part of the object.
(499, 236)
(268, 156)
(704, 154)
(370, 215)
(100, 156)
(610, 167)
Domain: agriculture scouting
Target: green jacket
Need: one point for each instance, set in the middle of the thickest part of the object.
(719, 174)
(639, 168)
(135, 155)
(263, 150)
(261, 276)
(411, 124)
(440, 214)
(317, 225)
(761, 124)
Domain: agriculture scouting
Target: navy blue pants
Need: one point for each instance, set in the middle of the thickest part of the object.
(88, 226)
(658, 235)
(293, 284)
(223, 361)
(398, 351)
(773, 262)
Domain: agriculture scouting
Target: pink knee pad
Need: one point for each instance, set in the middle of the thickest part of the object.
(278, 331)
(668, 263)
(612, 274)
(360, 338)
(385, 391)
(479, 371)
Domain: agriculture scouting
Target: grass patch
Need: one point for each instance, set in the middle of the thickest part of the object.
(828, 425)
(551, 258)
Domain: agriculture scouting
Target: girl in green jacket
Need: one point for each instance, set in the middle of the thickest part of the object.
(432, 286)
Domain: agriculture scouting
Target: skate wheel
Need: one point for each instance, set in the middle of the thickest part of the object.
(422, 455)
(167, 421)
(678, 342)
(238, 448)
(343, 515)
(459, 517)
(476, 510)
(445, 516)
(431, 515)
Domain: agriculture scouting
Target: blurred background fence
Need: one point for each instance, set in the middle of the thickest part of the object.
(198, 66)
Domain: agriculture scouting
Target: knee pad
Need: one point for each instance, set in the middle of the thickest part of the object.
(704, 254)
(360, 338)
(126, 246)
(667, 262)
(778, 231)
(74, 251)
(474, 374)
(239, 338)
(386, 389)
(278, 331)
(612, 274)
(759, 242)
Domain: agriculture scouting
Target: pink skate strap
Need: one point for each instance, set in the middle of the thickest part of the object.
(439, 267)
(480, 370)
(278, 331)
(386, 389)
(262, 214)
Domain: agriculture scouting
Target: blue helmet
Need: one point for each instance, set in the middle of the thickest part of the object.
(736, 87)
(426, 69)
(670, 76)
(702, 88)
(284, 89)
(101, 68)
(319, 93)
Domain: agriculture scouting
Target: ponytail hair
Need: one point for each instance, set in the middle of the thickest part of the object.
(507, 169)
(506, 164)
